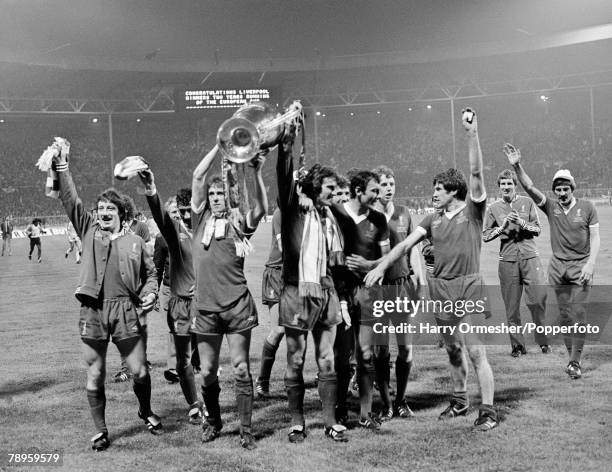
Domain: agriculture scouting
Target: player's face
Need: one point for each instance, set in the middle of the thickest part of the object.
(216, 199)
(328, 187)
(342, 195)
(387, 189)
(370, 195)
(507, 189)
(441, 197)
(564, 194)
(173, 212)
(108, 217)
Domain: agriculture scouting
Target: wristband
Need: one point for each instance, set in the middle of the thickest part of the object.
(61, 167)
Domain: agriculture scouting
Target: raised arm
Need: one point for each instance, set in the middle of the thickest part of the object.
(198, 184)
(159, 213)
(284, 167)
(377, 274)
(81, 219)
(514, 157)
(261, 198)
(476, 184)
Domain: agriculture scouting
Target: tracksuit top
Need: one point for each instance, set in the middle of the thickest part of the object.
(136, 267)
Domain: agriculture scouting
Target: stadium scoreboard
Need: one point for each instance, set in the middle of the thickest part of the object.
(192, 99)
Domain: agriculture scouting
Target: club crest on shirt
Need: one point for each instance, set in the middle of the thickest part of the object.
(578, 218)
(557, 212)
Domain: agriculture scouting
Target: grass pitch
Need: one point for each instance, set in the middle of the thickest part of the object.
(549, 422)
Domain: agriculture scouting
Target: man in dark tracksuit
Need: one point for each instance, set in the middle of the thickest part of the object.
(514, 219)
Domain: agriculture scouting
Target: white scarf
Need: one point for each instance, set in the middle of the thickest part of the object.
(320, 239)
(219, 225)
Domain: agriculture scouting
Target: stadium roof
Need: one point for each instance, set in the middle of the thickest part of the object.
(118, 45)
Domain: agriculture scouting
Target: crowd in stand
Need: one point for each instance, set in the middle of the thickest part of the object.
(416, 148)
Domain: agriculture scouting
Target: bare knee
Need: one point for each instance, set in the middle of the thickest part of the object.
(95, 377)
(208, 368)
(326, 362)
(241, 371)
(367, 355)
(404, 353)
(478, 355)
(140, 371)
(275, 335)
(295, 361)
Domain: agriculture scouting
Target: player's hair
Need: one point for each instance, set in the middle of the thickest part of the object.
(312, 182)
(342, 181)
(130, 208)
(351, 172)
(121, 201)
(183, 198)
(360, 179)
(383, 171)
(507, 174)
(215, 180)
(452, 179)
(171, 201)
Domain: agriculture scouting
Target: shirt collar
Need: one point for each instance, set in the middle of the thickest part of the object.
(572, 205)
(451, 214)
(389, 211)
(516, 195)
(356, 218)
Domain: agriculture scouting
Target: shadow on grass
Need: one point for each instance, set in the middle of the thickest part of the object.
(139, 428)
(425, 401)
(7, 392)
(510, 398)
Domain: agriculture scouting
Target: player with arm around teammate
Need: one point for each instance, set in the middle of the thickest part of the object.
(456, 235)
(366, 240)
(308, 303)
